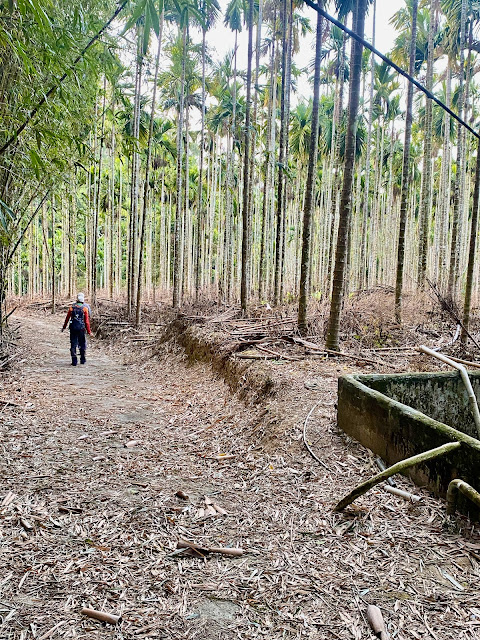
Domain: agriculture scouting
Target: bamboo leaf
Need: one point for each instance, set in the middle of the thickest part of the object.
(146, 33)
(154, 17)
(136, 15)
(37, 163)
(38, 137)
(6, 215)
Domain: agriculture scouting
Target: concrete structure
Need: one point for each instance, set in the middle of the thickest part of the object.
(398, 416)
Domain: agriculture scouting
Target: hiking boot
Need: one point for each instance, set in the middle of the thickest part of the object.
(74, 362)
(82, 361)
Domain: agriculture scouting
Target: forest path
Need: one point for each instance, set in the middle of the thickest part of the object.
(94, 523)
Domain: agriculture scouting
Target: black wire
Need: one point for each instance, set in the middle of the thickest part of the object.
(399, 70)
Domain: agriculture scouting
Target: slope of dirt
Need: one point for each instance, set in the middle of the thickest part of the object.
(86, 521)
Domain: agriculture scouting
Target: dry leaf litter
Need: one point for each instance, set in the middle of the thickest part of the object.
(106, 467)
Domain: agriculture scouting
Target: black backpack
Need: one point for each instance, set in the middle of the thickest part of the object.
(77, 318)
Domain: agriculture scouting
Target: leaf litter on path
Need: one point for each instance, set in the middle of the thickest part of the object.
(103, 519)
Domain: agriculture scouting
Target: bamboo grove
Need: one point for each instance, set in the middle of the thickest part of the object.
(136, 162)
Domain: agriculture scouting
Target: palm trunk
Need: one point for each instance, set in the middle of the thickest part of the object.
(200, 211)
(472, 251)
(147, 178)
(133, 223)
(310, 185)
(96, 215)
(346, 197)
(425, 198)
(178, 239)
(282, 156)
(453, 268)
(366, 202)
(405, 171)
(246, 171)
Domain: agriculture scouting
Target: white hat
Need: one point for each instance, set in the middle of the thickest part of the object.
(80, 297)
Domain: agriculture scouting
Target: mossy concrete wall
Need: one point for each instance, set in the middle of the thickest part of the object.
(374, 410)
(441, 396)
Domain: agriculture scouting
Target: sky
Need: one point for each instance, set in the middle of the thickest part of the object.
(221, 40)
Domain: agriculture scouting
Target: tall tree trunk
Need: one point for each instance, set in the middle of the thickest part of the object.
(335, 161)
(453, 268)
(146, 186)
(253, 138)
(310, 185)
(246, 171)
(405, 170)
(426, 195)
(346, 197)
(134, 189)
(200, 210)
(96, 214)
(445, 183)
(178, 238)
(54, 275)
(268, 171)
(363, 275)
(472, 250)
(282, 156)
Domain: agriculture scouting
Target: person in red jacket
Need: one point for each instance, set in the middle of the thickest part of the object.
(79, 317)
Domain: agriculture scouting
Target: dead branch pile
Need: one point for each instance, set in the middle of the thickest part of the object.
(370, 336)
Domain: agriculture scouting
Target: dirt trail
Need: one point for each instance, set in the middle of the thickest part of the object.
(93, 523)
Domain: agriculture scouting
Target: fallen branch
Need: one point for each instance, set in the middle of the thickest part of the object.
(400, 467)
(352, 357)
(309, 449)
(466, 363)
(315, 347)
(131, 443)
(7, 403)
(447, 307)
(226, 551)
(223, 456)
(254, 356)
(382, 466)
(102, 616)
(277, 355)
(219, 509)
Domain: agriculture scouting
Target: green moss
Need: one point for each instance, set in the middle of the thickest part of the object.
(369, 409)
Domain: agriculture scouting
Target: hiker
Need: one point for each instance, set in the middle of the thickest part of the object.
(79, 317)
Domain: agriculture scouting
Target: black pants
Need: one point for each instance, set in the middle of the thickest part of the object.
(78, 339)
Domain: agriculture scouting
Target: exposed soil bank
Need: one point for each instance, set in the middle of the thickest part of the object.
(202, 344)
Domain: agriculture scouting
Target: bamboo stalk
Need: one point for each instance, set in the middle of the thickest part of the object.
(396, 468)
(461, 486)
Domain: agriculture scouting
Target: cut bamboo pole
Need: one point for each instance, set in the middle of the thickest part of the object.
(226, 551)
(376, 622)
(396, 468)
(101, 615)
(461, 486)
(466, 381)
(403, 494)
